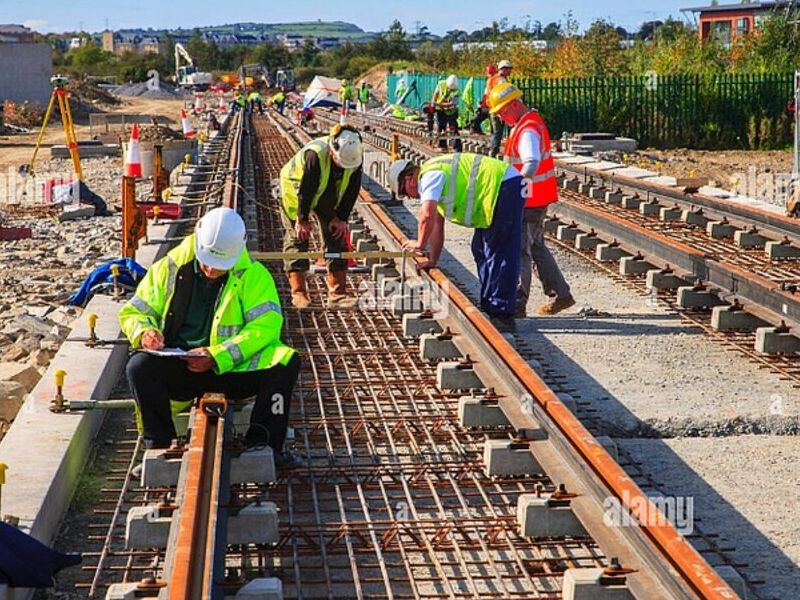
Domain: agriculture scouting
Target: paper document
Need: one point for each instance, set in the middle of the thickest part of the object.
(169, 352)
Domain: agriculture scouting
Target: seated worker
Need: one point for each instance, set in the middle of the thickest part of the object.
(475, 191)
(208, 297)
(324, 177)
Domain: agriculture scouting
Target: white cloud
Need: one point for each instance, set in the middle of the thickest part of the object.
(35, 24)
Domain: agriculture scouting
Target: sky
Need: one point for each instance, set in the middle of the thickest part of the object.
(93, 15)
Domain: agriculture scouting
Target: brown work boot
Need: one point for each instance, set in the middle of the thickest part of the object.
(337, 291)
(555, 306)
(297, 282)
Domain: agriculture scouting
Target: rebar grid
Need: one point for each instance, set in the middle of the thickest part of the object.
(393, 502)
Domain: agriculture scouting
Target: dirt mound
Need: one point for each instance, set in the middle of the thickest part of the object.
(90, 93)
(23, 114)
(145, 90)
(158, 133)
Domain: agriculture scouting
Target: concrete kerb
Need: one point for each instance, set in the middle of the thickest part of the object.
(39, 493)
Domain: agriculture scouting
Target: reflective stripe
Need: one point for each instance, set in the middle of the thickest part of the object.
(234, 351)
(228, 331)
(139, 304)
(544, 176)
(546, 154)
(261, 309)
(254, 360)
(473, 180)
(172, 276)
(450, 203)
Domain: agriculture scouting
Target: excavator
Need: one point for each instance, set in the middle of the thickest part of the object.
(189, 76)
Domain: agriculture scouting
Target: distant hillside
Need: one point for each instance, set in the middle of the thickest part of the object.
(338, 29)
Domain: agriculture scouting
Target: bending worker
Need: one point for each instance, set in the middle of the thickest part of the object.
(324, 177)
(474, 191)
(445, 103)
(208, 297)
(528, 150)
(278, 100)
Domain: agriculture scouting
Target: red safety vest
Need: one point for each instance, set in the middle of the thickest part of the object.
(544, 189)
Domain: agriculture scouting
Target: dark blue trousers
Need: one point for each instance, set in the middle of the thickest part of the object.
(497, 250)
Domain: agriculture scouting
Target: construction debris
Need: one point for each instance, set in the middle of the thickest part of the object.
(145, 90)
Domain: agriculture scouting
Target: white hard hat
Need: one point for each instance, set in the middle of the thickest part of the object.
(395, 170)
(452, 82)
(362, 83)
(504, 64)
(346, 149)
(219, 238)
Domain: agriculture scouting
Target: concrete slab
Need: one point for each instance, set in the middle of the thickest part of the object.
(504, 458)
(481, 413)
(634, 265)
(587, 241)
(650, 208)
(609, 253)
(542, 516)
(614, 197)
(635, 172)
(663, 180)
(415, 324)
(584, 584)
(455, 376)
(437, 347)
(253, 466)
(781, 250)
(256, 523)
(146, 528)
(749, 239)
(697, 298)
(670, 214)
(161, 468)
(695, 217)
(567, 233)
(550, 225)
(733, 318)
(602, 165)
(720, 229)
(598, 192)
(771, 340)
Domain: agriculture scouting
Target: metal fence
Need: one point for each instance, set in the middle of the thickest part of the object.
(738, 111)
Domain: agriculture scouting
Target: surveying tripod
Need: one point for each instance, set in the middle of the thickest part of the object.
(60, 95)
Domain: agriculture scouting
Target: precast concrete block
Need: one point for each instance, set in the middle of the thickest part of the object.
(406, 303)
(697, 297)
(160, 468)
(634, 265)
(415, 324)
(571, 184)
(650, 208)
(733, 318)
(658, 279)
(588, 584)
(749, 239)
(367, 245)
(720, 230)
(264, 588)
(380, 271)
(609, 253)
(631, 202)
(776, 340)
(256, 523)
(587, 241)
(732, 577)
(357, 232)
(567, 233)
(121, 591)
(695, 218)
(146, 528)
(256, 465)
(584, 187)
(670, 214)
(505, 458)
(550, 225)
(781, 250)
(598, 192)
(610, 446)
(480, 412)
(543, 516)
(457, 376)
(434, 346)
(389, 286)
(614, 197)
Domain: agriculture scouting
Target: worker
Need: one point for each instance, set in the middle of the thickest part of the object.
(475, 191)
(445, 103)
(255, 102)
(528, 150)
(324, 177)
(239, 101)
(483, 108)
(400, 90)
(498, 128)
(362, 96)
(278, 100)
(346, 95)
(209, 298)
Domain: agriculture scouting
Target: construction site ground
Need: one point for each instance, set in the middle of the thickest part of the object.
(638, 377)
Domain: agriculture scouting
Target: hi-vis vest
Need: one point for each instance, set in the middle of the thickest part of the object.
(443, 94)
(469, 196)
(363, 94)
(544, 188)
(246, 329)
(292, 175)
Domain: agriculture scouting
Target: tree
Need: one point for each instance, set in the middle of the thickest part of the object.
(552, 32)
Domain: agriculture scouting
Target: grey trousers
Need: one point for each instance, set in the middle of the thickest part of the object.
(534, 252)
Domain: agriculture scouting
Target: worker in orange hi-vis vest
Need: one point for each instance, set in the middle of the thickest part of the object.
(528, 149)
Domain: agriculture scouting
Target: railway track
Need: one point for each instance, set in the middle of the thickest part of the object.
(399, 495)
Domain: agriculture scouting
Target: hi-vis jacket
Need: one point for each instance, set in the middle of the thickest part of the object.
(245, 331)
(472, 185)
(544, 186)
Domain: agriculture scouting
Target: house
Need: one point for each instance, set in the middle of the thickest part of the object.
(120, 42)
(726, 22)
(15, 33)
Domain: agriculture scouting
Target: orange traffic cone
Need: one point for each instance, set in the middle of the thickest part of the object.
(188, 130)
(133, 158)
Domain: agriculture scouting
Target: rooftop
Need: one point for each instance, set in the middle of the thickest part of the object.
(742, 6)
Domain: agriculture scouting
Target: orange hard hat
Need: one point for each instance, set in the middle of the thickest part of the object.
(502, 95)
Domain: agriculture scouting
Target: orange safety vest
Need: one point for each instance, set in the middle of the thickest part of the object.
(544, 188)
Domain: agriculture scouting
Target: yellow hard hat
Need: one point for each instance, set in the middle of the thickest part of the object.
(501, 95)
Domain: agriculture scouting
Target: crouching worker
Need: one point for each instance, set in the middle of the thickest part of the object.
(208, 297)
(474, 191)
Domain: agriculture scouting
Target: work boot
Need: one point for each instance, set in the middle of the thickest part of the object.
(297, 282)
(555, 306)
(337, 291)
(503, 323)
